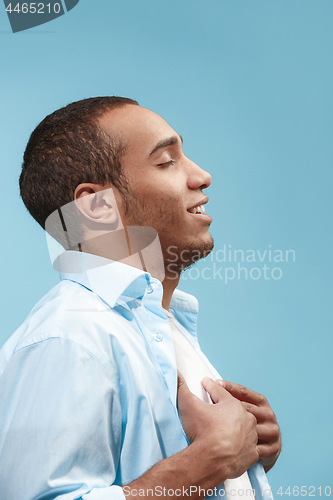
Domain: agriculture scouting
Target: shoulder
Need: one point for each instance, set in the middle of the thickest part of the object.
(70, 313)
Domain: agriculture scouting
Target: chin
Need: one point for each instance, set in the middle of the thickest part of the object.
(200, 249)
(178, 257)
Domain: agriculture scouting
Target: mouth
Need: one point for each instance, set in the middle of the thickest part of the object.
(199, 208)
(199, 211)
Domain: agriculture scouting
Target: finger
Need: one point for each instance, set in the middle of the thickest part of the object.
(180, 379)
(216, 392)
(185, 398)
(182, 386)
(268, 453)
(262, 414)
(243, 393)
(269, 433)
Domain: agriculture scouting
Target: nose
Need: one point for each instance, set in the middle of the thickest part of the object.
(198, 178)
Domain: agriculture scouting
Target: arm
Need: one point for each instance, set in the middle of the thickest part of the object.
(57, 436)
(269, 436)
(217, 452)
(62, 436)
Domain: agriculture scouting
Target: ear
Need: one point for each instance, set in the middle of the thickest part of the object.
(96, 203)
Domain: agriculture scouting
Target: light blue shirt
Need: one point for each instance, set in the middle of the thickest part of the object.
(88, 386)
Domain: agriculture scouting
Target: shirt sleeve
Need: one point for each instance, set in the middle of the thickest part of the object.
(60, 417)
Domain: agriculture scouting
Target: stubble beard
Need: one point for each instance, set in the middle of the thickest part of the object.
(178, 259)
(177, 256)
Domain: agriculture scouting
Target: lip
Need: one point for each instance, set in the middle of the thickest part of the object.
(202, 202)
(203, 217)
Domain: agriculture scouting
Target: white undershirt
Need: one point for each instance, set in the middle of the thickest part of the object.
(194, 369)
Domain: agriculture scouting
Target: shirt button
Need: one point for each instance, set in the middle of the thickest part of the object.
(149, 289)
(158, 337)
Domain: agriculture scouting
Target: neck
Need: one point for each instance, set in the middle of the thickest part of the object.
(119, 245)
(169, 283)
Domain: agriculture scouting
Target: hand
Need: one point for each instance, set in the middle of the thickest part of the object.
(269, 437)
(225, 431)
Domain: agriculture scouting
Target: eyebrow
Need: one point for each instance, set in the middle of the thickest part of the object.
(166, 142)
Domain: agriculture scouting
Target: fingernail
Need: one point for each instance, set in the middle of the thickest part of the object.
(221, 382)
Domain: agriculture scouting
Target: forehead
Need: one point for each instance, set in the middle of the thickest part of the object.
(138, 128)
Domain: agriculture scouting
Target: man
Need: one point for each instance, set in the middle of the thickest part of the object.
(88, 388)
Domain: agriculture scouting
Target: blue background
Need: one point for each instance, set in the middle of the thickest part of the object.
(248, 84)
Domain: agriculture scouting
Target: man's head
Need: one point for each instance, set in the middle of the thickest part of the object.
(121, 145)
(67, 148)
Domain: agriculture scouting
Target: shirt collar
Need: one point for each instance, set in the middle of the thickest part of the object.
(107, 278)
(184, 302)
(113, 280)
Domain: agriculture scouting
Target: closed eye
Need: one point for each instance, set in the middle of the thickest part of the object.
(171, 162)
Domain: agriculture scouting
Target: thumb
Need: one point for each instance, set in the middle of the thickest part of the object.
(185, 397)
(180, 381)
(215, 390)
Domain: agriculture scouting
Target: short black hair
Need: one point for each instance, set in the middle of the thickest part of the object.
(66, 149)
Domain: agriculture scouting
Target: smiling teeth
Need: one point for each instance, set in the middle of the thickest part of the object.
(199, 208)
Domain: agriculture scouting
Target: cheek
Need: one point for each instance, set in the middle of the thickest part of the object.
(162, 197)
(169, 204)
(161, 194)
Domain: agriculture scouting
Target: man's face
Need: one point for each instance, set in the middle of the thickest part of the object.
(163, 184)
